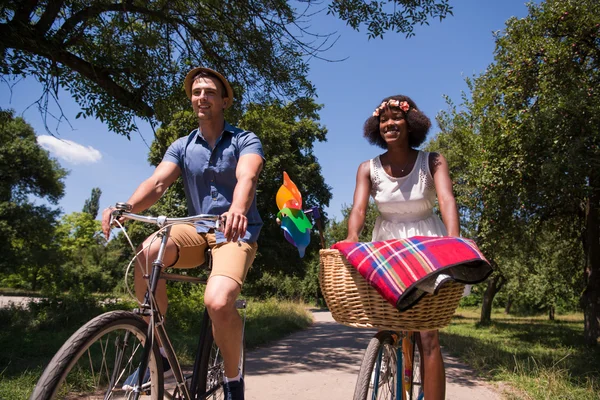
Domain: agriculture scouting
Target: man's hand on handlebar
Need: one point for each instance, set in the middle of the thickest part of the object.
(235, 225)
(108, 222)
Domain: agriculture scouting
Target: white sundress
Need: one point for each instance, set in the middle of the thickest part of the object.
(406, 203)
(406, 206)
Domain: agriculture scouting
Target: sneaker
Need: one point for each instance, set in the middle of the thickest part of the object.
(234, 390)
(132, 379)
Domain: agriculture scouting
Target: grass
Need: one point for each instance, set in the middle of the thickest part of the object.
(30, 337)
(541, 359)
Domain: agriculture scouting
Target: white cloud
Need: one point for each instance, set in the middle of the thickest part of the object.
(69, 151)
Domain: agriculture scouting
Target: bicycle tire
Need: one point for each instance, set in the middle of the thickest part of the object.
(212, 368)
(380, 352)
(80, 367)
(417, 380)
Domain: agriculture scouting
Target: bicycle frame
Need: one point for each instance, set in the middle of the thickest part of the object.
(149, 309)
(399, 354)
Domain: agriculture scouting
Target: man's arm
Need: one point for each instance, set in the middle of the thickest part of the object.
(247, 172)
(148, 192)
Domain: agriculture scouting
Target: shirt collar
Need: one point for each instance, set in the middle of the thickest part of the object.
(227, 127)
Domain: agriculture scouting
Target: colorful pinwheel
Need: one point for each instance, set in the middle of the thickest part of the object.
(296, 226)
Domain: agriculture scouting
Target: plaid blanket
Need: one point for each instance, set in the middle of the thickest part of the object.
(401, 269)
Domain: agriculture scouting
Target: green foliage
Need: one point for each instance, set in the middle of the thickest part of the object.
(78, 230)
(26, 229)
(271, 319)
(524, 154)
(92, 205)
(186, 305)
(88, 262)
(338, 231)
(122, 61)
(26, 168)
(380, 16)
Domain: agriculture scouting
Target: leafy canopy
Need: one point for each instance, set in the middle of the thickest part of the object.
(28, 172)
(121, 59)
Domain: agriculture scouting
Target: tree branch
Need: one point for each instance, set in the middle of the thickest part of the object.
(23, 13)
(49, 15)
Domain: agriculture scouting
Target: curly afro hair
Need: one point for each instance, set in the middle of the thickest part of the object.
(418, 125)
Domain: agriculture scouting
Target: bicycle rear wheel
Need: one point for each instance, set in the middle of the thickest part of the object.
(98, 358)
(212, 368)
(378, 374)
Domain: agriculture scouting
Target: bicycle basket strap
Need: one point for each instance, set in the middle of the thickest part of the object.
(400, 269)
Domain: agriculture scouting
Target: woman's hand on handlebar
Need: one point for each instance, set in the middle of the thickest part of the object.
(350, 239)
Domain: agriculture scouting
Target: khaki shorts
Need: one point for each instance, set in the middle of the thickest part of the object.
(231, 259)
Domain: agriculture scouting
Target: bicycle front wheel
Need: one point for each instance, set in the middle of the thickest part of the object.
(98, 358)
(413, 388)
(378, 374)
(416, 392)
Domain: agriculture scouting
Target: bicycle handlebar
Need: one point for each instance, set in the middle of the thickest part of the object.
(123, 210)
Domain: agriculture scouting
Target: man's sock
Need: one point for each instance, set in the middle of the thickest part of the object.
(236, 379)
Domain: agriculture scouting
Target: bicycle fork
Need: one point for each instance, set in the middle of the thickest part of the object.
(397, 346)
(146, 309)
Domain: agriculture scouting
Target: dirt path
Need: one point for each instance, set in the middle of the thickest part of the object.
(19, 301)
(322, 362)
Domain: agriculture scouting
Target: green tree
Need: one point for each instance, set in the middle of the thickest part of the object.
(338, 230)
(26, 229)
(127, 58)
(77, 231)
(92, 205)
(89, 262)
(536, 112)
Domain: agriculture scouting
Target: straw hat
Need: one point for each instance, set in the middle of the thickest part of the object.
(189, 80)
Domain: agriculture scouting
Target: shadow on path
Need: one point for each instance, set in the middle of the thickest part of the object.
(325, 345)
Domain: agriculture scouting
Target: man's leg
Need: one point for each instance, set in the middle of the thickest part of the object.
(220, 296)
(231, 262)
(185, 249)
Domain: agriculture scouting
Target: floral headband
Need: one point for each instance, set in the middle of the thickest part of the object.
(403, 105)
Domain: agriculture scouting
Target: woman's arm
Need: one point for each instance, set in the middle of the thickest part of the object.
(443, 186)
(356, 221)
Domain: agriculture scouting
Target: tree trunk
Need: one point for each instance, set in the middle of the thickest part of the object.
(509, 303)
(493, 287)
(551, 311)
(590, 299)
(34, 278)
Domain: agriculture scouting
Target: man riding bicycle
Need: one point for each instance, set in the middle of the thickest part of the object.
(219, 165)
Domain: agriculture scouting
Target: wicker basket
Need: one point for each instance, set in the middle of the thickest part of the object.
(353, 302)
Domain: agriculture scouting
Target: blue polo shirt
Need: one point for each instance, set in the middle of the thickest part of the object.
(208, 174)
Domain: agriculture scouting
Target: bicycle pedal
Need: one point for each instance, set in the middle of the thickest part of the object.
(240, 304)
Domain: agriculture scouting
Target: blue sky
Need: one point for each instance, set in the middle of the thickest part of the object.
(425, 67)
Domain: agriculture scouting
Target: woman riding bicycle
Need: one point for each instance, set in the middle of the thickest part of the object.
(404, 182)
